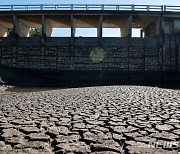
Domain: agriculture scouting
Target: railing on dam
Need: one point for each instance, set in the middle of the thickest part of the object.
(89, 7)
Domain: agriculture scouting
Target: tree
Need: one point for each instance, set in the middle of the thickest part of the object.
(35, 32)
(9, 33)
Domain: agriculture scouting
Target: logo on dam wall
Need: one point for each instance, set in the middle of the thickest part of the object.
(97, 55)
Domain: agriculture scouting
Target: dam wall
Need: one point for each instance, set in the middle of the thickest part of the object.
(135, 59)
(152, 57)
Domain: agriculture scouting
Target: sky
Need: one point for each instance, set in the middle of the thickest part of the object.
(158, 2)
(91, 32)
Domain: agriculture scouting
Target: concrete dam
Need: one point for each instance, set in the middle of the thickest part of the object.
(152, 57)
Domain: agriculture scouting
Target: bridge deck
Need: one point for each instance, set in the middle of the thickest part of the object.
(116, 7)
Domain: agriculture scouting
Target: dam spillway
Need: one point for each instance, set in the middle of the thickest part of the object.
(154, 56)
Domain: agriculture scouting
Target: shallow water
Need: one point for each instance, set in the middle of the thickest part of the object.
(30, 89)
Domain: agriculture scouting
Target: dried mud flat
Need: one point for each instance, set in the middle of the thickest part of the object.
(101, 120)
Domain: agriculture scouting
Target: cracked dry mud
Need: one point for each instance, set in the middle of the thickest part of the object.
(99, 120)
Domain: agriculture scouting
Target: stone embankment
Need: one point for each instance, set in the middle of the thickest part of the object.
(101, 120)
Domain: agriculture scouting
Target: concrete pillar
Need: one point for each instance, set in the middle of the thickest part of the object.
(99, 29)
(161, 24)
(168, 27)
(73, 29)
(177, 26)
(15, 26)
(46, 27)
(126, 29)
(3, 31)
(157, 24)
(141, 33)
(49, 31)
